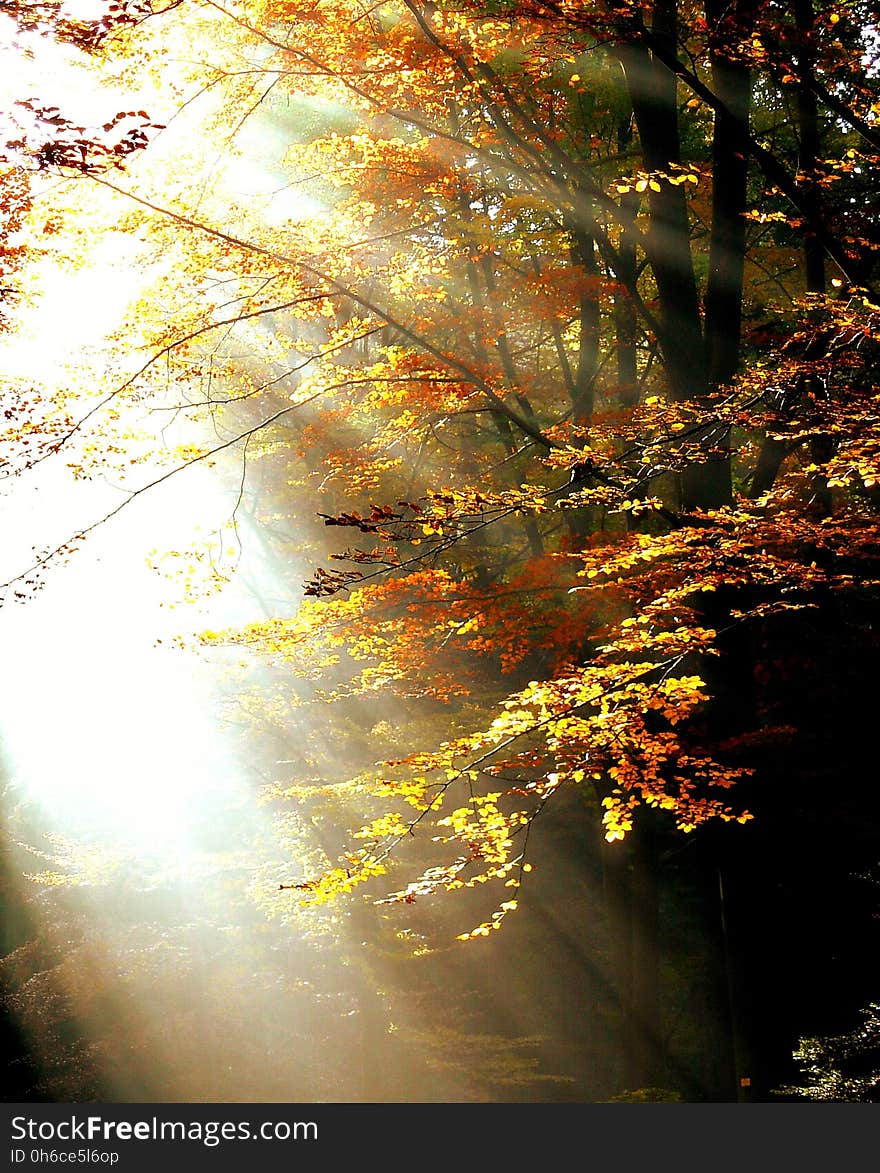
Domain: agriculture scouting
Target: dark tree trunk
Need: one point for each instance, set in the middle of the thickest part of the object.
(583, 399)
(821, 447)
(710, 484)
(631, 896)
(625, 324)
(731, 81)
(808, 146)
(646, 1047)
(773, 452)
(653, 94)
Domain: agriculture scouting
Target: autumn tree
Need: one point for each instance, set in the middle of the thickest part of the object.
(577, 360)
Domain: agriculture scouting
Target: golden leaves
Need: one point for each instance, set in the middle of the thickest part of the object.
(336, 881)
(484, 929)
(644, 181)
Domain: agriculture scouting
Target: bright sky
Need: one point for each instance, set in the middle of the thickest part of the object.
(110, 734)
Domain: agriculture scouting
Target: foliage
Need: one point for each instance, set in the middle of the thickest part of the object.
(563, 363)
(599, 580)
(841, 1068)
(647, 1095)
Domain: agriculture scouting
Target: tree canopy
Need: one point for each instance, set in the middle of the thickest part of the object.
(547, 347)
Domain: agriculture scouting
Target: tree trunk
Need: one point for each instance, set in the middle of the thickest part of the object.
(646, 1047)
(821, 447)
(731, 81)
(808, 146)
(626, 277)
(773, 452)
(584, 254)
(653, 95)
(631, 897)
